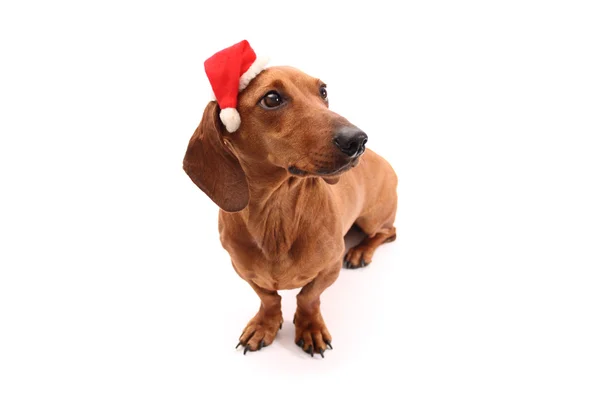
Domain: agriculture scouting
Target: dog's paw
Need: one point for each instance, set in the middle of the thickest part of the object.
(260, 332)
(358, 257)
(312, 334)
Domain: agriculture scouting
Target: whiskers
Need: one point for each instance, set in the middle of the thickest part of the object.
(318, 163)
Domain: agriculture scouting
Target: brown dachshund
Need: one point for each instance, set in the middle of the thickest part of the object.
(290, 183)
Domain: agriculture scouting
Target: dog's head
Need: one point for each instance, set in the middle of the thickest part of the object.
(286, 123)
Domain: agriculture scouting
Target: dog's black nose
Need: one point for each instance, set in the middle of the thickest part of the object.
(350, 140)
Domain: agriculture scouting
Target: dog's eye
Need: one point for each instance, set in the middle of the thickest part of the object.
(271, 100)
(323, 91)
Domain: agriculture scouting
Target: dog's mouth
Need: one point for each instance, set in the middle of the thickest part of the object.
(324, 171)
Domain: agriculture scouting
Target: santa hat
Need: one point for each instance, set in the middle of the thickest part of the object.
(229, 72)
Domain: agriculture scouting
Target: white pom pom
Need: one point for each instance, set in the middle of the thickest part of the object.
(231, 119)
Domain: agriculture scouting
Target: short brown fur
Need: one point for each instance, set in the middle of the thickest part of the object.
(287, 197)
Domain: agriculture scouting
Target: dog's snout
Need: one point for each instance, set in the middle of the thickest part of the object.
(350, 140)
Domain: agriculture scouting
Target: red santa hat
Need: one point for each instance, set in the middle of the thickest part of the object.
(229, 72)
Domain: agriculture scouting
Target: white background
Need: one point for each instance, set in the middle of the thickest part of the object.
(113, 284)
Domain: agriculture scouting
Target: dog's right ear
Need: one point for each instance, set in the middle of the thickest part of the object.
(212, 166)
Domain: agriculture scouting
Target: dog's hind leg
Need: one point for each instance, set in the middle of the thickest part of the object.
(377, 234)
(362, 254)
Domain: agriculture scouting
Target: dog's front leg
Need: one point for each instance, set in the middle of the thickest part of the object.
(311, 333)
(261, 329)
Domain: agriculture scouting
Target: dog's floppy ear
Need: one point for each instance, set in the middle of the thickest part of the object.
(212, 167)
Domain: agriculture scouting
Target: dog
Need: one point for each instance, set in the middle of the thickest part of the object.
(290, 183)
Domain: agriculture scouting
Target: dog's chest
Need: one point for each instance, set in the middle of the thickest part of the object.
(282, 275)
(291, 271)
(282, 259)
(304, 261)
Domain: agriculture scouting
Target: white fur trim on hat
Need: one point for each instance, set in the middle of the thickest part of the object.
(256, 68)
(231, 119)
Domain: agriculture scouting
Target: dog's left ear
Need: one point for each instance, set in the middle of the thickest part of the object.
(212, 166)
